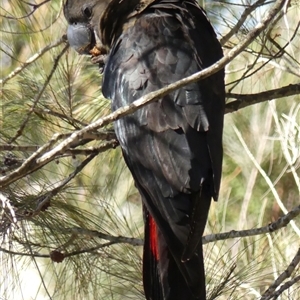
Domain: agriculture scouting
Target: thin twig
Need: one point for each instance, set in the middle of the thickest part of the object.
(34, 8)
(106, 136)
(61, 116)
(280, 223)
(234, 30)
(29, 165)
(101, 235)
(32, 59)
(21, 148)
(285, 286)
(270, 292)
(244, 100)
(39, 95)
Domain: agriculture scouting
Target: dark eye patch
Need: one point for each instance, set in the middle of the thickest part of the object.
(87, 11)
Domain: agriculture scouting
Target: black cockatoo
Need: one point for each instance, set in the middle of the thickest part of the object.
(173, 147)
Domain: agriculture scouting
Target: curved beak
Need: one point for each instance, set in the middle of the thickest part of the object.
(81, 38)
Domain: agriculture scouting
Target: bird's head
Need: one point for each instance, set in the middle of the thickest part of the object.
(84, 19)
(96, 24)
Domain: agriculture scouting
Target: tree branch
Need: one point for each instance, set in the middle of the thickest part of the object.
(280, 223)
(77, 231)
(32, 59)
(234, 30)
(244, 100)
(101, 235)
(271, 291)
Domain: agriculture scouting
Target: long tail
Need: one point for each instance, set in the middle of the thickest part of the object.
(162, 277)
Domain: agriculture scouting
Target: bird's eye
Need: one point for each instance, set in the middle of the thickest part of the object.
(87, 11)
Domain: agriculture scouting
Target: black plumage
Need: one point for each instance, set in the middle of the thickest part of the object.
(173, 147)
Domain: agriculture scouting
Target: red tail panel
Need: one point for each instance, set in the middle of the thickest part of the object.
(151, 276)
(153, 238)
